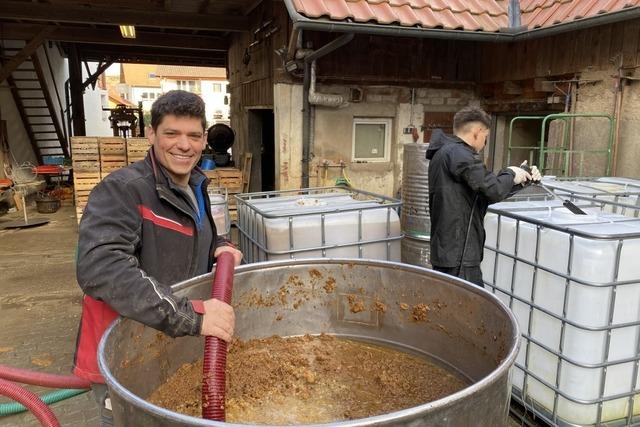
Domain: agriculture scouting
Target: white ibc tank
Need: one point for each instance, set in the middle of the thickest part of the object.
(333, 225)
(615, 195)
(573, 282)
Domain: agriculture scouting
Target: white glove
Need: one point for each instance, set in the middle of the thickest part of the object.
(521, 175)
(536, 176)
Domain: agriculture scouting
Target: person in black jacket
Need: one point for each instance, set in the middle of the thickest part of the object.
(145, 228)
(460, 190)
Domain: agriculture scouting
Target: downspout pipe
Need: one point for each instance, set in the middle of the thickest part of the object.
(306, 105)
(509, 34)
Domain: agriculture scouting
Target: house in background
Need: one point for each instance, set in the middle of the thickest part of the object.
(139, 83)
(115, 99)
(208, 82)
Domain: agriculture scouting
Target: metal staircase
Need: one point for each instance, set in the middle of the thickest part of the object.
(33, 100)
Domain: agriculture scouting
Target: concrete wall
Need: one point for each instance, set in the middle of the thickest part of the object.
(592, 134)
(332, 133)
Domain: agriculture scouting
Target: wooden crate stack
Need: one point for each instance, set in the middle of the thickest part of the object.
(231, 179)
(137, 149)
(95, 157)
(113, 154)
(85, 154)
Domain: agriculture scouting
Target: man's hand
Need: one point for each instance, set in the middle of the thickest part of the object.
(536, 176)
(237, 255)
(521, 175)
(218, 320)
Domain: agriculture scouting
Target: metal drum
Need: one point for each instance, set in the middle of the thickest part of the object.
(467, 330)
(414, 216)
(415, 251)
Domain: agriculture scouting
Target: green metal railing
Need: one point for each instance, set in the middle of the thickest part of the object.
(564, 150)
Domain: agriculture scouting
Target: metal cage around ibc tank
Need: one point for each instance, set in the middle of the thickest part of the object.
(573, 282)
(612, 194)
(318, 222)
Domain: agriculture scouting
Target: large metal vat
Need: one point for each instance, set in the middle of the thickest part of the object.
(467, 329)
(414, 216)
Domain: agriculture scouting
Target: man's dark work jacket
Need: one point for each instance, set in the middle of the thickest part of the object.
(138, 237)
(457, 180)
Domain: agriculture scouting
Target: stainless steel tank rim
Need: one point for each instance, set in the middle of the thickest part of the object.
(397, 416)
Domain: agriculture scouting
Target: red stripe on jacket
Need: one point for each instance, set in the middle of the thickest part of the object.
(163, 222)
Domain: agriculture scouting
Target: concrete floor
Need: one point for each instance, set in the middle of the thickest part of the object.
(40, 309)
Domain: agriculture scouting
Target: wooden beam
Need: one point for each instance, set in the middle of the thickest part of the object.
(76, 91)
(113, 37)
(204, 5)
(28, 11)
(26, 51)
(543, 85)
(511, 88)
(134, 54)
(93, 77)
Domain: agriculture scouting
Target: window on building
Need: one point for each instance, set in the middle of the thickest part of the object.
(149, 95)
(371, 139)
(189, 85)
(216, 87)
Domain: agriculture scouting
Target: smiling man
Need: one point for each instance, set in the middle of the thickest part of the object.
(145, 228)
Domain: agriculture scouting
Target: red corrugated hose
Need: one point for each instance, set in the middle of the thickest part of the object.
(215, 349)
(31, 401)
(26, 376)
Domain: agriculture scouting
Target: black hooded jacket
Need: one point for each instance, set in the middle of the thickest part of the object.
(460, 186)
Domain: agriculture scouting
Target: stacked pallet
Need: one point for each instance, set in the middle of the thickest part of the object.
(137, 149)
(85, 155)
(231, 179)
(113, 154)
(93, 158)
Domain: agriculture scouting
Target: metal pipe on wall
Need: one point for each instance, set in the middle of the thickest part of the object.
(617, 110)
(306, 105)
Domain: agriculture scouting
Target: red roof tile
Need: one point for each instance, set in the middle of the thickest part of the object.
(468, 15)
(545, 13)
(471, 15)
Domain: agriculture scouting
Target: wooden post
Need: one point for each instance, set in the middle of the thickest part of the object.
(76, 89)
